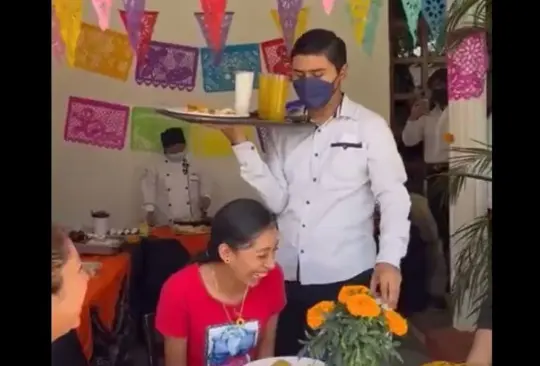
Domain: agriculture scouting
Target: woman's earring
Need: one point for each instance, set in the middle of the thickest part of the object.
(226, 260)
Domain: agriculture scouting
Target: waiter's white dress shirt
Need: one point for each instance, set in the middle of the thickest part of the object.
(323, 183)
(430, 129)
(168, 192)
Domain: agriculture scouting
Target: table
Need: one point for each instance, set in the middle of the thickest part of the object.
(103, 291)
(194, 243)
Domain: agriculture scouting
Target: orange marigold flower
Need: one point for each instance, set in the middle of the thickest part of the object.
(396, 323)
(448, 138)
(316, 315)
(348, 291)
(363, 305)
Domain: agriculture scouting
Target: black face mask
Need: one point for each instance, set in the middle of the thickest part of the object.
(439, 97)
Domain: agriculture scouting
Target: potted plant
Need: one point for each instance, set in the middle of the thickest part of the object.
(357, 330)
(472, 278)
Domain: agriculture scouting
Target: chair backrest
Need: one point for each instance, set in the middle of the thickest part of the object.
(153, 262)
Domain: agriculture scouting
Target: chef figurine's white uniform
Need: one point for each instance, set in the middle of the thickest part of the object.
(171, 188)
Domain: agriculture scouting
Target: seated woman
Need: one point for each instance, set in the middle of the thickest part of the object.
(482, 349)
(69, 282)
(223, 309)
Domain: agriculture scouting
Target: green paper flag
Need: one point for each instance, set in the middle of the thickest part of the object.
(147, 126)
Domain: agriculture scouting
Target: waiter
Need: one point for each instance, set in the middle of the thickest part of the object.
(429, 122)
(171, 189)
(322, 181)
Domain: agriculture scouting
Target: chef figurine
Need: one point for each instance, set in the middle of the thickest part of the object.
(171, 189)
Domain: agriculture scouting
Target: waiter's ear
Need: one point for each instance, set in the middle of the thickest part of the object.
(343, 72)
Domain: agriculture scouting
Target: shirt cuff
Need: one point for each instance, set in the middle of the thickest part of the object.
(389, 257)
(244, 152)
(148, 207)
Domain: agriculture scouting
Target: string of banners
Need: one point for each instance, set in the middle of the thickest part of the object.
(101, 50)
(467, 64)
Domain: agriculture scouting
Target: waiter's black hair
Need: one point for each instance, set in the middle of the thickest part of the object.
(322, 42)
(236, 224)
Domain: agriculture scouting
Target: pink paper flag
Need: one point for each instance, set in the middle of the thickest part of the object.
(134, 17)
(467, 68)
(214, 11)
(225, 26)
(145, 33)
(97, 123)
(328, 5)
(57, 43)
(103, 12)
(288, 17)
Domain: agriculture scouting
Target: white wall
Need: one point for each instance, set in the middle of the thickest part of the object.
(85, 177)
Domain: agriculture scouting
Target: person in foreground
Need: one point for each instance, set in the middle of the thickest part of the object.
(68, 284)
(223, 309)
(171, 188)
(323, 181)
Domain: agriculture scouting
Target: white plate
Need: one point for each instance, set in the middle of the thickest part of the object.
(294, 361)
(183, 110)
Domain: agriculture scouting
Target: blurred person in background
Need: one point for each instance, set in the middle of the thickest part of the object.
(68, 287)
(171, 188)
(428, 123)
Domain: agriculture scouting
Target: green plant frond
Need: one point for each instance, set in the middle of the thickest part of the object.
(473, 264)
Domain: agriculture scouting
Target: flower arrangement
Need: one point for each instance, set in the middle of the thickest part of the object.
(354, 331)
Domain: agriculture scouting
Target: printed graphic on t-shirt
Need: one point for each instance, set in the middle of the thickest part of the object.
(230, 344)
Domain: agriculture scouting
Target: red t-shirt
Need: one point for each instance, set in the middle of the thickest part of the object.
(186, 310)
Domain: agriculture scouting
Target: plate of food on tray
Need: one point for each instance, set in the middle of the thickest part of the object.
(191, 229)
(203, 111)
(286, 361)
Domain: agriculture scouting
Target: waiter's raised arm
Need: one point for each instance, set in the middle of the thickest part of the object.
(266, 177)
(388, 178)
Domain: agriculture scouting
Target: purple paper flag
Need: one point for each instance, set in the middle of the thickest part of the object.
(225, 26)
(134, 17)
(288, 17)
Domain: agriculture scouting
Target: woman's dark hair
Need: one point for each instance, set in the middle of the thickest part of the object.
(59, 257)
(236, 224)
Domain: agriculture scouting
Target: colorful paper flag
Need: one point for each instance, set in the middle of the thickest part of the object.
(145, 32)
(58, 47)
(467, 68)
(214, 12)
(370, 30)
(69, 15)
(276, 58)
(104, 52)
(210, 143)
(412, 10)
(288, 11)
(328, 5)
(134, 15)
(103, 12)
(434, 12)
(301, 24)
(358, 11)
(225, 26)
(97, 123)
(147, 126)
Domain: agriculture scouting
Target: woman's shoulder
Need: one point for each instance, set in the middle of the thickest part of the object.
(184, 278)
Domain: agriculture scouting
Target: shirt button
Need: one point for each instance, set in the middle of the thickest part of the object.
(318, 130)
(170, 205)
(166, 161)
(316, 154)
(168, 175)
(307, 202)
(252, 147)
(187, 203)
(303, 225)
(187, 187)
(168, 189)
(302, 251)
(314, 179)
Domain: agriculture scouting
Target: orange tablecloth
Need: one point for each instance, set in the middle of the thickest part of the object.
(193, 243)
(103, 291)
